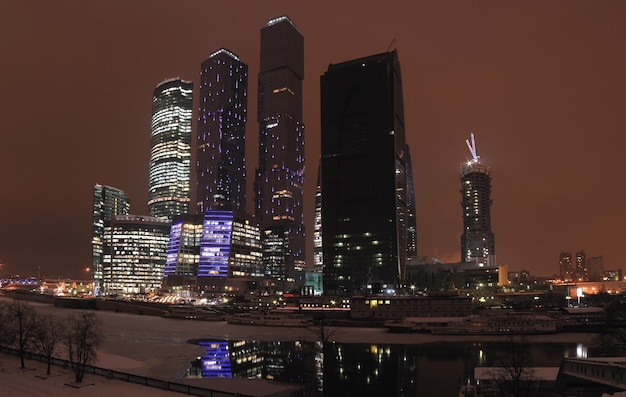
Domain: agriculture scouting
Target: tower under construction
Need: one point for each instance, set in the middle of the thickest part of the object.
(477, 242)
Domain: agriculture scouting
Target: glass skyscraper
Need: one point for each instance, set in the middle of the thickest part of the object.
(280, 174)
(221, 135)
(364, 176)
(170, 149)
(107, 203)
(477, 241)
(411, 223)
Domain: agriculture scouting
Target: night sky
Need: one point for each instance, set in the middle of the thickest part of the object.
(542, 84)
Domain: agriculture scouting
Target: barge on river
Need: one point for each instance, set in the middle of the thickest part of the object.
(514, 323)
(272, 318)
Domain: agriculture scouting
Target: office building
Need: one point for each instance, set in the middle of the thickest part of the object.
(221, 134)
(364, 176)
(477, 241)
(107, 203)
(170, 149)
(280, 175)
(207, 250)
(183, 251)
(230, 246)
(134, 254)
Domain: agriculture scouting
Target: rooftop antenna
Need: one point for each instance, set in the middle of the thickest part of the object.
(390, 44)
(472, 147)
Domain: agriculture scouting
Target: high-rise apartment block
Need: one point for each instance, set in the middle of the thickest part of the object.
(221, 134)
(477, 241)
(170, 149)
(280, 174)
(363, 176)
(581, 273)
(566, 268)
(595, 268)
(107, 203)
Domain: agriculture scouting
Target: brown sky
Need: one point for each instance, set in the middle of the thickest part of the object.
(542, 84)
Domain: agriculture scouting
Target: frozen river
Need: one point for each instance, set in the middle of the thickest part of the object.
(159, 347)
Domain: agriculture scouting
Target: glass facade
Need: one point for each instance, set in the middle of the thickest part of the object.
(215, 245)
(170, 149)
(280, 174)
(134, 254)
(477, 241)
(364, 176)
(411, 225)
(230, 246)
(107, 202)
(218, 243)
(183, 248)
(221, 135)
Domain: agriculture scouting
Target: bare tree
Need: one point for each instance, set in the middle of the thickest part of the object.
(612, 338)
(84, 335)
(20, 326)
(324, 332)
(50, 333)
(514, 374)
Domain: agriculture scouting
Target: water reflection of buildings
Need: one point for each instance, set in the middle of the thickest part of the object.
(355, 369)
(275, 360)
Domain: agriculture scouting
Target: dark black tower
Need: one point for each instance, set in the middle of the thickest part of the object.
(364, 176)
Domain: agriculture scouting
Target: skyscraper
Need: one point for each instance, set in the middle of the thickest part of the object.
(280, 174)
(364, 176)
(411, 222)
(477, 241)
(170, 149)
(107, 203)
(221, 135)
(318, 255)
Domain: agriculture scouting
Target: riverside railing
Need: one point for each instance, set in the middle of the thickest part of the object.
(127, 377)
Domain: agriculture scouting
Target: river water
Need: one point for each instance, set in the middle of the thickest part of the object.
(357, 369)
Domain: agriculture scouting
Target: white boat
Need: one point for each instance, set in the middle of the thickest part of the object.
(272, 318)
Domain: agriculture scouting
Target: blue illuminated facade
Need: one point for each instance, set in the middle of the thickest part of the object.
(206, 249)
(183, 249)
(221, 134)
(215, 246)
(280, 174)
(215, 362)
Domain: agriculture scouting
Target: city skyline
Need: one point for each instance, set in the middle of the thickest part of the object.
(540, 85)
